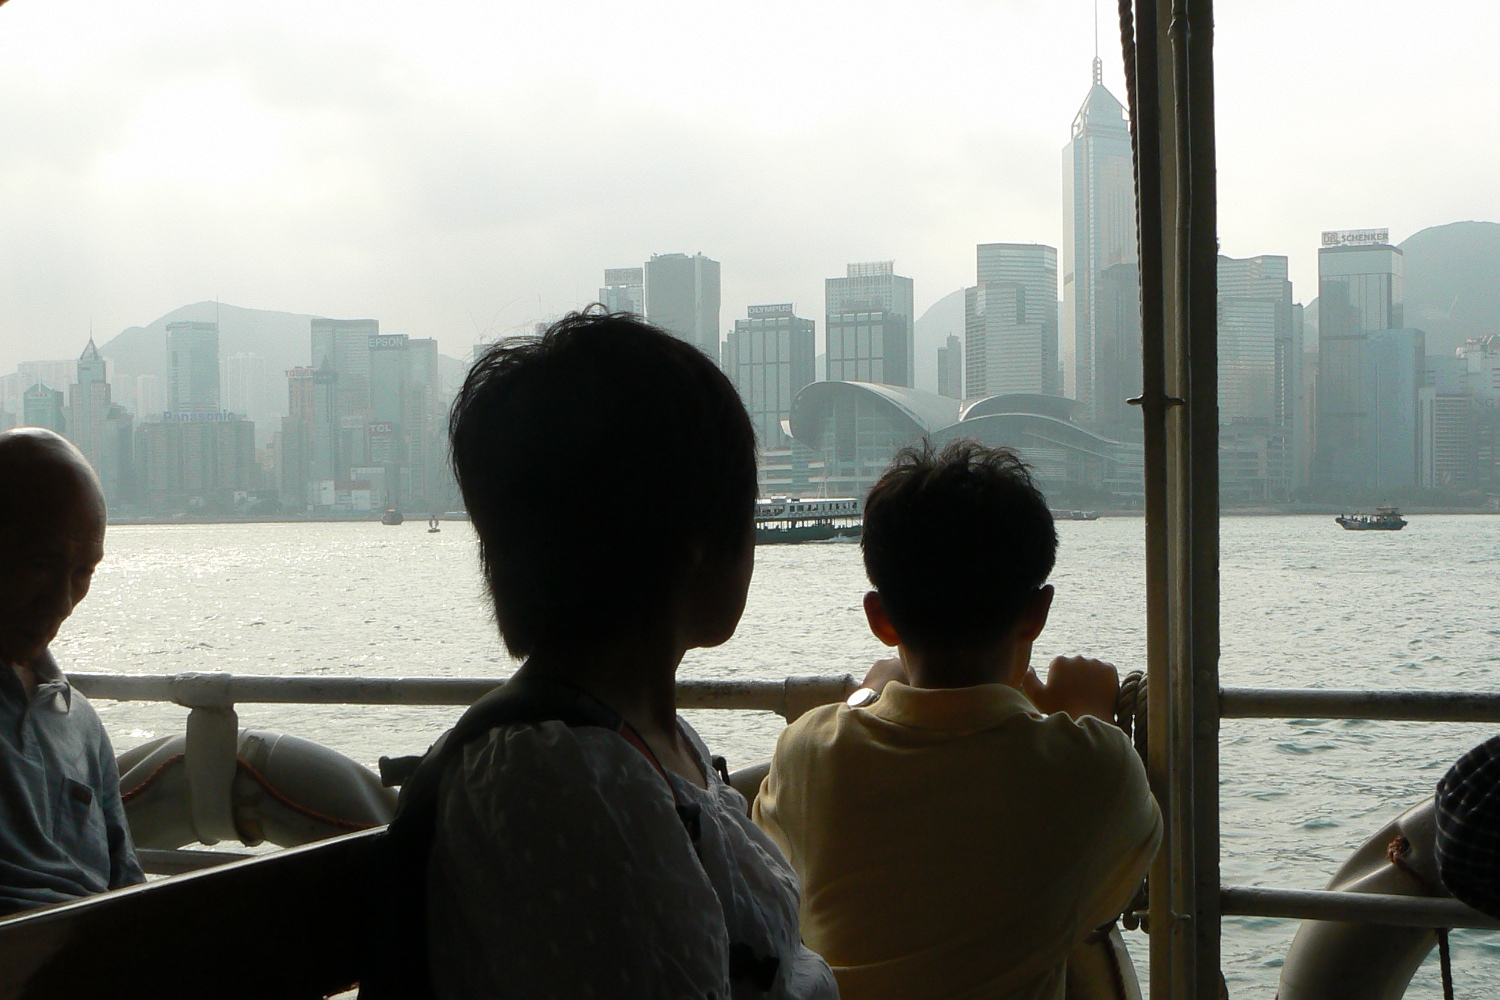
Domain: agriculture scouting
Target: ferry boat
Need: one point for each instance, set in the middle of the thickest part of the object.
(1075, 515)
(1384, 519)
(296, 923)
(779, 520)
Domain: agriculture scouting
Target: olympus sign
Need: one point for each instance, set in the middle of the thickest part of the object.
(1356, 237)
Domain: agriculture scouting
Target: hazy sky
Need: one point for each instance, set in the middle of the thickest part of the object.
(457, 168)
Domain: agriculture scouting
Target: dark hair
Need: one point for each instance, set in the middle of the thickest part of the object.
(955, 541)
(594, 461)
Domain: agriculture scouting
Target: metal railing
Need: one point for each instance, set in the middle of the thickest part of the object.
(212, 697)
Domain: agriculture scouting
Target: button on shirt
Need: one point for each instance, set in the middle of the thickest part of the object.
(957, 843)
(62, 827)
(562, 869)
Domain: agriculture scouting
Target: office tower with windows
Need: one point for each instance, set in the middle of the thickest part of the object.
(42, 406)
(950, 366)
(869, 324)
(769, 357)
(1098, 235)
(1360, 293)
(100, 428)
(681, 296)
(1010, 321)
(149, 400)
(245, 388)
(1259, 356)
(193, 349)
(624, 290)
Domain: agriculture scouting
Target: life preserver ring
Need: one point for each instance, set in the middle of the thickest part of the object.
(285, 791)
(1099, 969)
(1342, 961)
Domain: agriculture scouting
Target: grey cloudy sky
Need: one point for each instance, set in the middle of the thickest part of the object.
(456, 167)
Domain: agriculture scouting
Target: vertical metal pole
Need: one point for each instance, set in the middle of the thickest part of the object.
(1144, 91)
(1203, 527)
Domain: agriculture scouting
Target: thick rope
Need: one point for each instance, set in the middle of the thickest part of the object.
(150, 779)
(1396, 852)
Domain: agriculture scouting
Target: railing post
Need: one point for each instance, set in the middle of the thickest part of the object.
(211, 753)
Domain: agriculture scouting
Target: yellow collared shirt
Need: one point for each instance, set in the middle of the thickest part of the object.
(956, 843)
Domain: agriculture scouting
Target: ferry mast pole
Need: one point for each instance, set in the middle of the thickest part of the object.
(1172, 127)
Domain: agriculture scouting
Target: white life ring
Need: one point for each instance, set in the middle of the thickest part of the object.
(285, 791)
(1342, 961)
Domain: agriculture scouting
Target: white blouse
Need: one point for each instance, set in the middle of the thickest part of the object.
(561, 868)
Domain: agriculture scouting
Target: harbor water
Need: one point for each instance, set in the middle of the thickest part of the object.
(1304, 604)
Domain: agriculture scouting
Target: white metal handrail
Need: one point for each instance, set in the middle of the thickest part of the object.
(212, 697)
(789, 697)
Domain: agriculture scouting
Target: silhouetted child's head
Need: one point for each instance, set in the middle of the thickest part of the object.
(609, 469)
(958, 544)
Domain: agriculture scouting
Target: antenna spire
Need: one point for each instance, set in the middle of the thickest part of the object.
(1098, 66)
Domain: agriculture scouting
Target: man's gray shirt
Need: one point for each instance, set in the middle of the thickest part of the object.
(62, 826)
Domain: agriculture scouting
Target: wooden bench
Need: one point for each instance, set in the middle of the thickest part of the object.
(292, 925)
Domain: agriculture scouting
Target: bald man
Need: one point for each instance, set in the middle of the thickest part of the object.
(62, 828)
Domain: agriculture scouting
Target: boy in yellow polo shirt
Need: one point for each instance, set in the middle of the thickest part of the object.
(960, 827)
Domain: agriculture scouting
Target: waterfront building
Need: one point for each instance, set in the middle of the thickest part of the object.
(1360, 293)
(42, 406)
(195, 461)
(1395, 371)
(148, 395)
(7, 420)
(56, 374)
(1010, 321)
(1100, 366)
(342, 346)
(246, 390)
(869, 325)
(1259, 353)
(849, 432)
(100, 428)
(950, 366)
(769, 356)
(193, 349)
(681, 295)
(625, 290)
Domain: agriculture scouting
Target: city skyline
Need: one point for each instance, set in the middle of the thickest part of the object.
(127, 155)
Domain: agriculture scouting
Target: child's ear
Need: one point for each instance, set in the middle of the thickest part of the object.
(879, 623)
(1034, 618)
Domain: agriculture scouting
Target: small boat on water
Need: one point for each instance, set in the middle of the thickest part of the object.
(391, 516)
(432, 525)
(1384, 519)
(791, 519)
(1075, 515)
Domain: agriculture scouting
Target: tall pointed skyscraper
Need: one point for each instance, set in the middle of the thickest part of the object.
(1100, 321)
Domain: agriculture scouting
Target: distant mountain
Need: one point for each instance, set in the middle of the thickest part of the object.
(283, 339)
(1453, 283)
(943, 317)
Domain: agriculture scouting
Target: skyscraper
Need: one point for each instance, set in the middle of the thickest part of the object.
(343, 347)
(43, 407)
(624, 290)
(1098, 234)
(769, 357)
(245, 386)
(1258, 380)
(1360, 291)
(870, 325)
(1257, 366)
(1010, 321)
(950, 365)
(193, 347)
(681, 296)
(101, 429)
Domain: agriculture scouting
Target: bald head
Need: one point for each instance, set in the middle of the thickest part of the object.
(52, 520)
